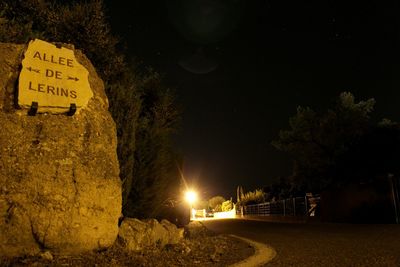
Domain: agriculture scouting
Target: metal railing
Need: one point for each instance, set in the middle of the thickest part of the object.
(298, 206)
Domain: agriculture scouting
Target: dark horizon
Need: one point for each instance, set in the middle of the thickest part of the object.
(242, 72)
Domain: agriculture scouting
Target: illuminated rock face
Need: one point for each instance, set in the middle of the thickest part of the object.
(137, 235)
(59, 175)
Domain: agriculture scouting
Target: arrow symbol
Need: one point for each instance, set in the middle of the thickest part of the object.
(73, 78)
(32, 69)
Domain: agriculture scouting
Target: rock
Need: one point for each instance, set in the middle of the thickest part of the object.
(156, 233)
(175, 234)
(132, 233)
(59, 175)
(196, 229)
(137, 235)
(46, 256)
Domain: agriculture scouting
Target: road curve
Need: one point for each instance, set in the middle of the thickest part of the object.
(262, 255)
(319, 244)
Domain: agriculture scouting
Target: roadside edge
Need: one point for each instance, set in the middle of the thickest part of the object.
(262, 255)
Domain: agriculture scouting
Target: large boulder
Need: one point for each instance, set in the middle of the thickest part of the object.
(59, 175)
(137, 235)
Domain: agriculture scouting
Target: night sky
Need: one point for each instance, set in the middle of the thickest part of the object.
(240, 69)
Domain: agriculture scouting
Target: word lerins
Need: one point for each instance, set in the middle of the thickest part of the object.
(52, 90)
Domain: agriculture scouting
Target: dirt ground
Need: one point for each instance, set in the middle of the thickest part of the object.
(199, 248)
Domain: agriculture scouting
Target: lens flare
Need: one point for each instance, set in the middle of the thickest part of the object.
(190, 196)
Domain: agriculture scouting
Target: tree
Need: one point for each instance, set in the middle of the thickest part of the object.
(239, 193)
(227, 205)
(282, 189)
(125, 96)
(322, 144)
(252, 197)
(155, 172)
(215, 203)
(376, 154)
(83, 24)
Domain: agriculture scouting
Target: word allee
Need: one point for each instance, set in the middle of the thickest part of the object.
(54, 59)
(52, 90)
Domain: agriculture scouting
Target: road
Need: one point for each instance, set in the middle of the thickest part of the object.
(320, 244)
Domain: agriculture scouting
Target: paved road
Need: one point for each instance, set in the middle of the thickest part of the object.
(320, 244)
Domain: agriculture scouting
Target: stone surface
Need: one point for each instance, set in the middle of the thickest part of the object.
(52, 77)
(137, 235)
(47, 256)
(59, 175)
(175, 234)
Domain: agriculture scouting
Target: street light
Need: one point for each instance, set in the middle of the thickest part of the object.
(191, 197)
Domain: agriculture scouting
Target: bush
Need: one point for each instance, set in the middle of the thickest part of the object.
(215, 203)
(227, 205)
(252, 197)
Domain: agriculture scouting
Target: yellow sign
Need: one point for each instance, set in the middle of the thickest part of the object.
(53, 78)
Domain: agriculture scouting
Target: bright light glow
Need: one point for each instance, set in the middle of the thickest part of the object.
(225, 214)
(191, 197)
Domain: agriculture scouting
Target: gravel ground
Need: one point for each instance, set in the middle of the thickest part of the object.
(321, 244)
(200, 248)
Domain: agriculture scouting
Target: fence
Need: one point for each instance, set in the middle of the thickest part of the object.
(299, 206)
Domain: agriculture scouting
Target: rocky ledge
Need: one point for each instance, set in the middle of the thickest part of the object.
(199, 247)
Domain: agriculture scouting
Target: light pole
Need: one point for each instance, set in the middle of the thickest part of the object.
(191, 197)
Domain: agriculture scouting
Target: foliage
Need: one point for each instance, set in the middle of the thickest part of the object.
(155, 169)
(375, 155)
(252, 197)
(282, 189)
(81, 24)
(125, 104)
(215, 203)
(332, 148)
(227, 205)
(144, 110)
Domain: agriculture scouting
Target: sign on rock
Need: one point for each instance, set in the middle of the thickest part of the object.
(53, 78)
